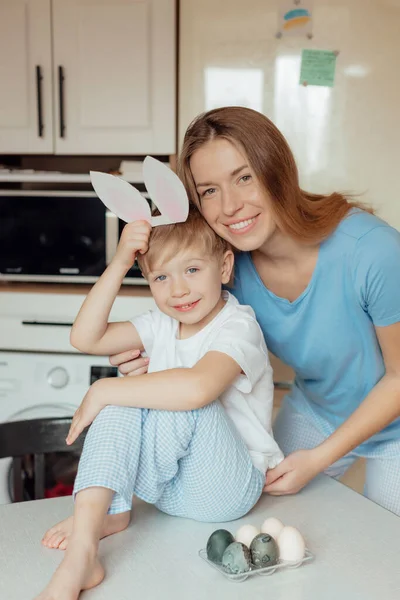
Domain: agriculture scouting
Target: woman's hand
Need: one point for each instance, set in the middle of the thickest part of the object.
(293, 473)
(134, 239)
(86, 413)
(130, 363)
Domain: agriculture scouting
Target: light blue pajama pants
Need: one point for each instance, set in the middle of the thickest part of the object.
(293, 431)
(190, 464)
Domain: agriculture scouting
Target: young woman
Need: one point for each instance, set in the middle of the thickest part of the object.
(322, 274)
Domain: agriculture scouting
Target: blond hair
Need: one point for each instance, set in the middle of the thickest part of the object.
(302, 215)
(167, 240)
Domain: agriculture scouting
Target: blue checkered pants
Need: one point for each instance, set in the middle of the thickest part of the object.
(190, 464)
(294, 431)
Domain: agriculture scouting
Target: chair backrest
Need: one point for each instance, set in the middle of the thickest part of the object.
(38, 437)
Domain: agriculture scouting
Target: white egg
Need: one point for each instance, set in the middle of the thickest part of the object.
(272, 526)
(246, 534)
(291, 544)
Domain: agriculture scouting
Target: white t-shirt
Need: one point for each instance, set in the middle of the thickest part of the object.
(235, 332)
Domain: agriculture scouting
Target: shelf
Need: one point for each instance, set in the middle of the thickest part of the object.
(58, 178)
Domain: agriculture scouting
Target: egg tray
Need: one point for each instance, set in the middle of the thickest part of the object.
(239, 577)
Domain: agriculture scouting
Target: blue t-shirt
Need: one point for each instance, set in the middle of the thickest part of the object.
(327, 334)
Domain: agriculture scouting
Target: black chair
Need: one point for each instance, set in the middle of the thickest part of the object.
(36, 437)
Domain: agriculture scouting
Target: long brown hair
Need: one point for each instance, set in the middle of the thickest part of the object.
(302, 215)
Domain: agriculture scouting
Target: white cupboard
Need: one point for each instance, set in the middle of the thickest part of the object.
(26, 105)
(108, 76)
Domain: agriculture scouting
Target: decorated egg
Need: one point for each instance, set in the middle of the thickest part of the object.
(264, 551)
(236, 558)
(272, 526)
(217, 544)
(291, 544)
(246, 534)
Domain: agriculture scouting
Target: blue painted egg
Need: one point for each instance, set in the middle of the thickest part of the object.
(264, 551)
(217, 544)
(236, 558)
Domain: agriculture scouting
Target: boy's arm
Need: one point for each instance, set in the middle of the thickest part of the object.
(238, 348)
(91, 332)
(174, 389)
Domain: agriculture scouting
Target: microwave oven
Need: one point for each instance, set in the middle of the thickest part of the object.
(57, 236)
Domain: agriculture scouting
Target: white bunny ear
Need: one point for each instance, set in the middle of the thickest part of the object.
(166, 191)
(120, 197)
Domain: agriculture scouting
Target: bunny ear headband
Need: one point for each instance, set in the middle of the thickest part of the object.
(165, 189)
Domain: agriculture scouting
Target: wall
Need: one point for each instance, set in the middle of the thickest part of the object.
(344, 138)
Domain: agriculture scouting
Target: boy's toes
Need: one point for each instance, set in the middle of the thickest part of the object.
(63, 545)
(54, 540)
(47, 540)
(49, 534)
(57, 540)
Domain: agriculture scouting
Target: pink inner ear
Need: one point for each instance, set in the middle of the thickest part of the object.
(171, 205)
(128, 209)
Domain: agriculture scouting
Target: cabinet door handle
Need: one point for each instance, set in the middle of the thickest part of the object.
(61, 79)
(39, 79)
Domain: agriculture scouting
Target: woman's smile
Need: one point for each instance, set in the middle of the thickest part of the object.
(243, 226)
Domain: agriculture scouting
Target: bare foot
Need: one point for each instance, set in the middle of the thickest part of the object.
(79, 570)
(59, 535)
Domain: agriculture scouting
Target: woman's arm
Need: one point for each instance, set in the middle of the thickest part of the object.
(91, 332)
(378, 409)
(174, 389)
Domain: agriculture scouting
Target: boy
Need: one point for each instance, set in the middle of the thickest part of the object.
(193, 436)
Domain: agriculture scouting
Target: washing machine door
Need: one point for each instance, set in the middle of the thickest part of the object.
(38, 411)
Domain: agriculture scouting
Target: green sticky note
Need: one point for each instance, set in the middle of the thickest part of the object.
(318, 67)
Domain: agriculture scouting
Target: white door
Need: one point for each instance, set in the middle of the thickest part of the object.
(114, 75)
(26, 117)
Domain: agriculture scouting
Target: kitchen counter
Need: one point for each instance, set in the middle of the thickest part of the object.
(355, 544)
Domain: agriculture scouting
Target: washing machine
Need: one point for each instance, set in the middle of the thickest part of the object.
(41, 375)
(37, 385)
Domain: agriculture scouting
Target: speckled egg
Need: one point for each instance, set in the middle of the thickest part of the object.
(264, 551)
(236, 558)
(217, 544)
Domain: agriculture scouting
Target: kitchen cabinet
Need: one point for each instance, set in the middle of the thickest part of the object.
(26, 105)
(106, 82)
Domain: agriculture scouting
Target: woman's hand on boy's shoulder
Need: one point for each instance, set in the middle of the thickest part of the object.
(134, 239)
(127, 365)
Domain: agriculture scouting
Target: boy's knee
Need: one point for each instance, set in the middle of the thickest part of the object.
(116, 416)
(212, 413)
(105, 413)
(214, 408)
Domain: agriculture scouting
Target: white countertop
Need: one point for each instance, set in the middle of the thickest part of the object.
(355, 542)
